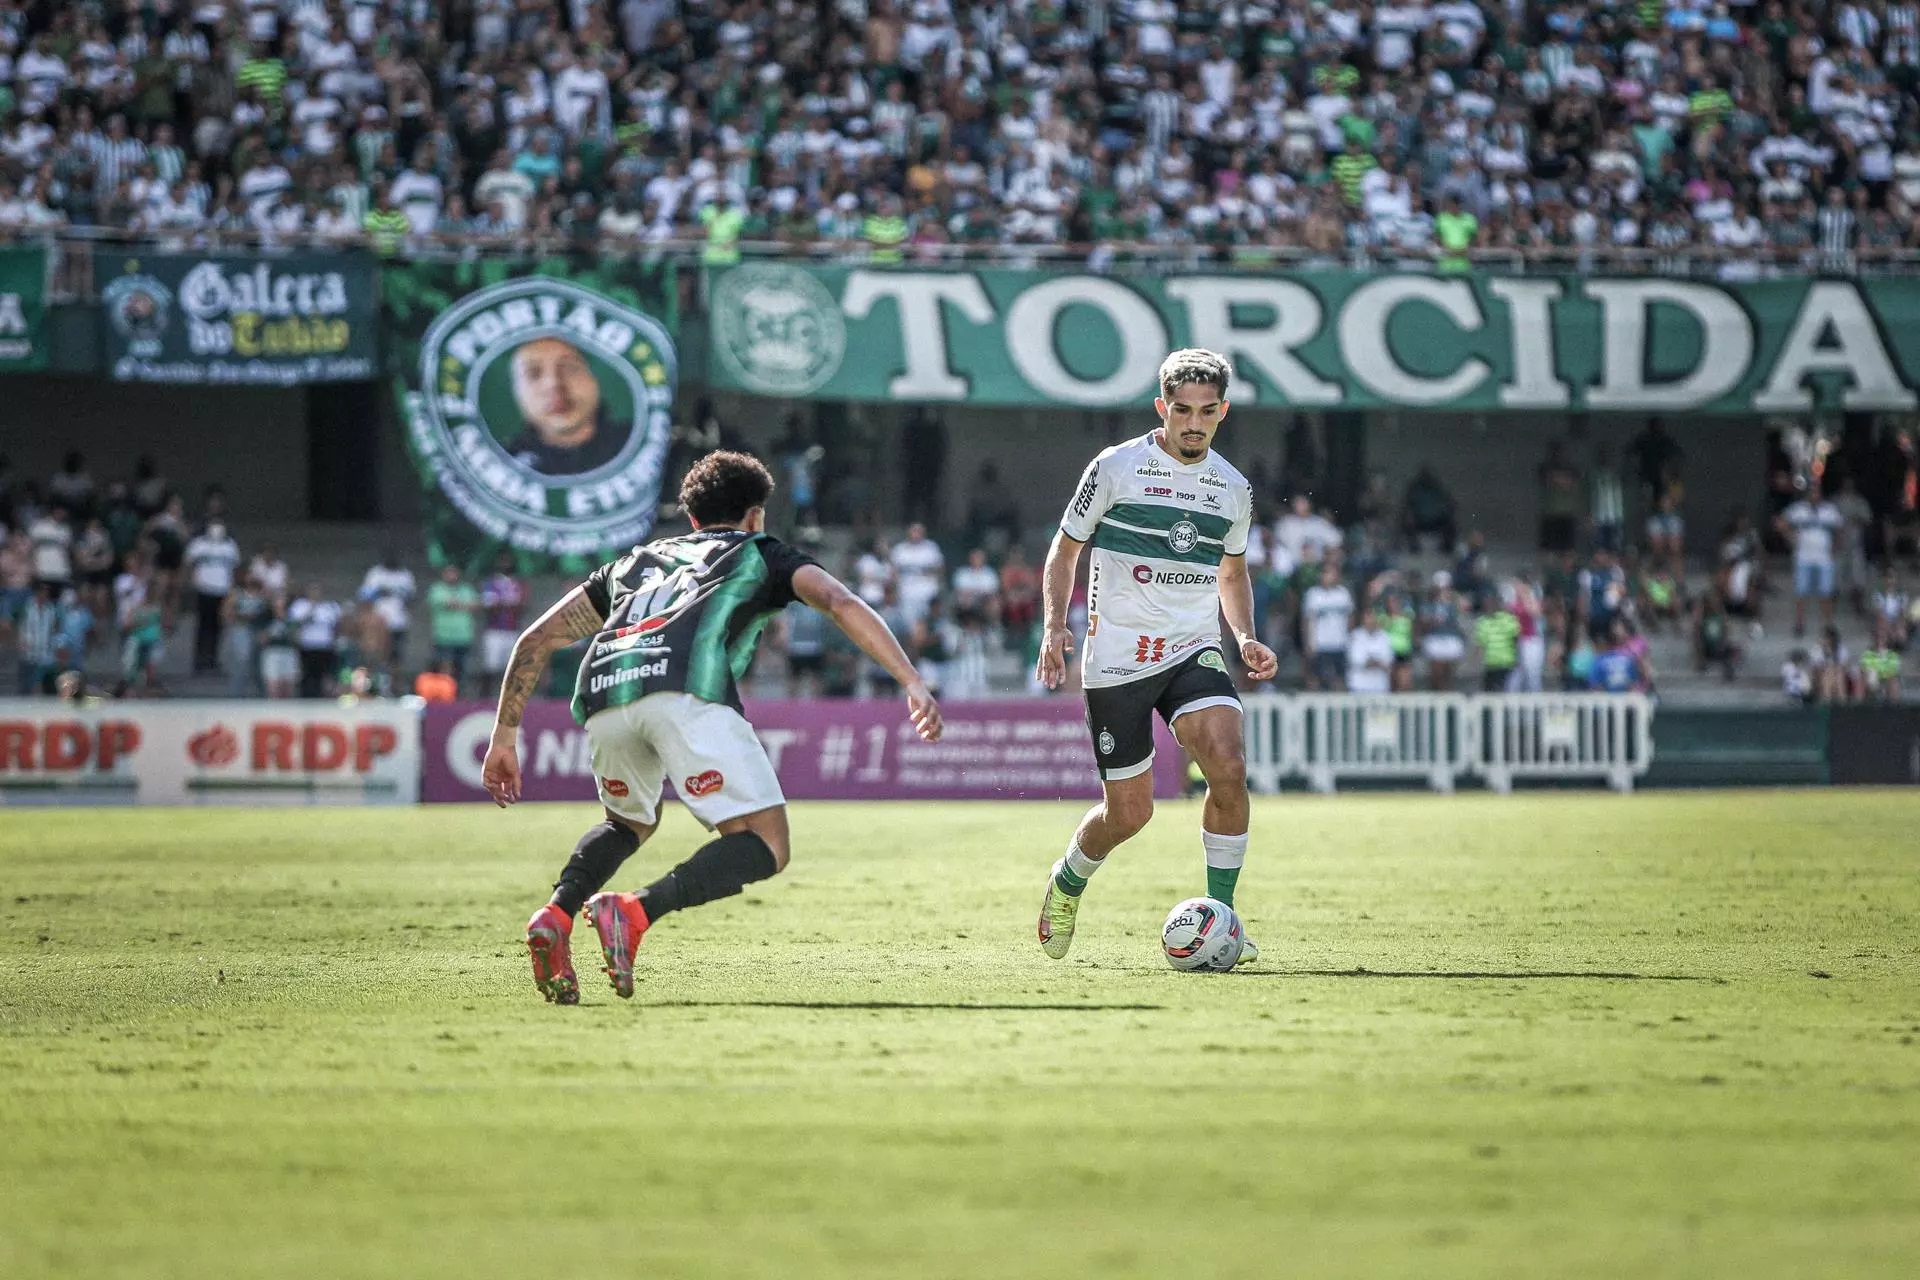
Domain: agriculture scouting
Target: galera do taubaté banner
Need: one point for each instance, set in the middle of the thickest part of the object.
(537, 401)
(1326, 339)
(275, 321)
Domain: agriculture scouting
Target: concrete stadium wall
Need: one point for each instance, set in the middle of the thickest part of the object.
(251, 440)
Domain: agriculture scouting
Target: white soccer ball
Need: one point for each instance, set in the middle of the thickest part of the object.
(1202, 933)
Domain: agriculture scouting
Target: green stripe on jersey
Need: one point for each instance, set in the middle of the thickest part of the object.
(1151, 515)
(1152, 546)
(710, 660)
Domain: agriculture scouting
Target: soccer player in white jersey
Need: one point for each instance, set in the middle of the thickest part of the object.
(1167, 519)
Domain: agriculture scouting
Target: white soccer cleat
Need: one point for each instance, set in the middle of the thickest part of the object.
(1248, 952)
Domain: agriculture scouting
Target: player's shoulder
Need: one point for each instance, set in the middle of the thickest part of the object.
(1122, 453)
(1220, 468)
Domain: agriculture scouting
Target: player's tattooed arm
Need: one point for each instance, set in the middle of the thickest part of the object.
(572, 618)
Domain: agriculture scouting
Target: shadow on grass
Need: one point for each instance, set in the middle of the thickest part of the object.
(1482, 974)
(906, 1004)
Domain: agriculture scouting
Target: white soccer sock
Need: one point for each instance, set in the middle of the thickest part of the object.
(1080, 864)
(1225, 852)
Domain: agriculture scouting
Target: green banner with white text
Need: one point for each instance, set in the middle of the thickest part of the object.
(280, 320)
(1326, 339)
(537, 402)
(23, 309)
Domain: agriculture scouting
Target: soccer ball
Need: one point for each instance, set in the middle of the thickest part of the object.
(1202, 933)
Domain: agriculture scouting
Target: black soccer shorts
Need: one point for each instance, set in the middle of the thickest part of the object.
(1120, 716)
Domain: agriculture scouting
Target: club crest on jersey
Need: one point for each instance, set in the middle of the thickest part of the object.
(1106, 743)
(1183, 537)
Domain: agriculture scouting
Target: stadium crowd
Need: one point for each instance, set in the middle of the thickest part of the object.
(1396, 596)
(125, 570)
(1780, 133)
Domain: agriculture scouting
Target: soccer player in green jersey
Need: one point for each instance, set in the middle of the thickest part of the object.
(674, 625)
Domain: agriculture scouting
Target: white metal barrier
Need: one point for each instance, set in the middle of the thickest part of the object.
(1443, 737)
(1545, 735)
(1415, 735)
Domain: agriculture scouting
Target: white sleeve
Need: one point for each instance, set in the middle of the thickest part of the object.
(1236, 540)
(1090, 502)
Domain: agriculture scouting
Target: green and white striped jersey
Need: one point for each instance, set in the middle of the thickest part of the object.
(1158, 529)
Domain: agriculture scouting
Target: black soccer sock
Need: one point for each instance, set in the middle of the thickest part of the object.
(718, 869)
(595, 859)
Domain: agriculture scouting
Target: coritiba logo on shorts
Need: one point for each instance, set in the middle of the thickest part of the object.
(1183, 537)
(1212, 659)
(1106, 743)
(544, 414)
(777, 329)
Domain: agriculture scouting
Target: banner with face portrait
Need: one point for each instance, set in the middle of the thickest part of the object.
(538, 403)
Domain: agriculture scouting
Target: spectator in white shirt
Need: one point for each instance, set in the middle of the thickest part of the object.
(391, 588)
(919, 569)
(1326, 613)
(52, 536)
(211, 560)
(873, 573)
(1812, 524)
(419, 194)
(1304, 534)
(1369, 658)
(316, 631)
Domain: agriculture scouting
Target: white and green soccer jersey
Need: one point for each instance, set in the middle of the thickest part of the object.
(1158, 529)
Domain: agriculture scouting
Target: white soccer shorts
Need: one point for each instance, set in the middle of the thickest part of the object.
(707, 749)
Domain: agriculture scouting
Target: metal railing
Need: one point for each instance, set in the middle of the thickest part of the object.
(71, 275)
(1444, 738)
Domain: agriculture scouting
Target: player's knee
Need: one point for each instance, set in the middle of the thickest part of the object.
(1226, 771)
(1127, 818)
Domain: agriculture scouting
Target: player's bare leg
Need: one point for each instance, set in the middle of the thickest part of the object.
(1125, 808)
(745, 849)
(1216, 739)
(550, 932)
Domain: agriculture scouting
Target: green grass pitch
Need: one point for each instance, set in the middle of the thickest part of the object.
(1547, 1036)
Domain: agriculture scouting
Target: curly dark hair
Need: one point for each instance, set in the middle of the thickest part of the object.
(723, 486)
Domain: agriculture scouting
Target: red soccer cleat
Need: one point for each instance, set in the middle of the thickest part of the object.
(620, 920)
(547, 943)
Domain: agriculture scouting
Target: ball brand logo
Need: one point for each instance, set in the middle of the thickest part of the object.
(544, 414)
(1142, 574)
(704, 784)
(1183, 537)
(614, 787)
(214, 747)
(777, 329)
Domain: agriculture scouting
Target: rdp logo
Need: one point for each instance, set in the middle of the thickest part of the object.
(319, 748)
(65, 746)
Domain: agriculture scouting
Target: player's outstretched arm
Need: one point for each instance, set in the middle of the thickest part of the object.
(1236, 601)
(1056, 592)
(821, 590)
(573, 617)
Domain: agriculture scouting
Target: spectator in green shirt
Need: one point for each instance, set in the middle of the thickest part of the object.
(1456, 230)
(1497, 632)
(453, 610)
(1881, 666)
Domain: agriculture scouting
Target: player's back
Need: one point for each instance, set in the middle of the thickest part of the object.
(683, 614)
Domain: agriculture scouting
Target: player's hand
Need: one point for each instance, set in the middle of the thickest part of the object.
(1261, 662)
(501, 773)
(924, 712)
(1055, 644)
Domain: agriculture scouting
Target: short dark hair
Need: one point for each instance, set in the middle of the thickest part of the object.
(723, 486)
(1195, 364)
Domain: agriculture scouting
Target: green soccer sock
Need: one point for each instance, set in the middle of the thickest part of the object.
(1225, 856)
(1071, 873)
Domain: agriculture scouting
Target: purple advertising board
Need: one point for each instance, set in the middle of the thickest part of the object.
(1008, 749)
